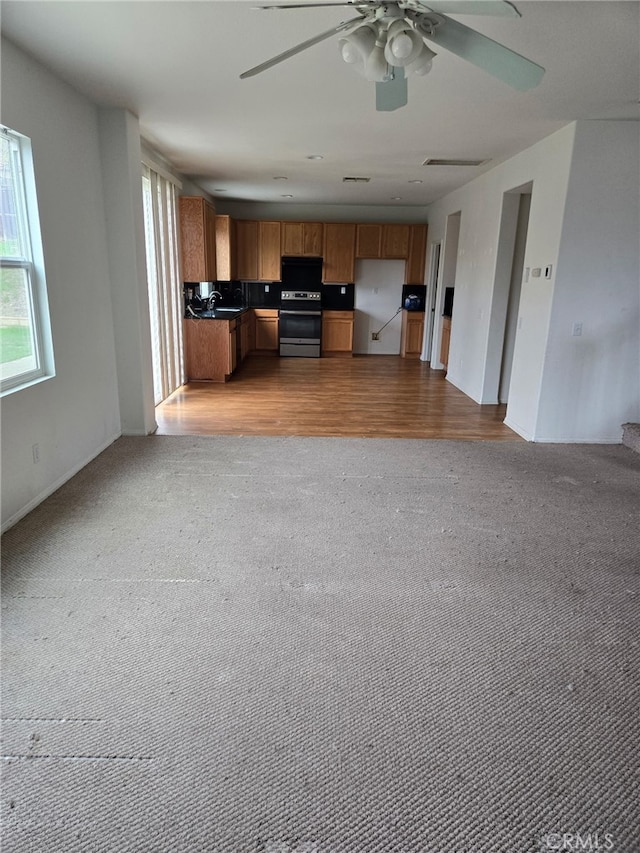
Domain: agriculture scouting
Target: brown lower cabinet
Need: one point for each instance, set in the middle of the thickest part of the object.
(210, 349)
(266, 335)
(444, 341)
(337, 333)
(411, 334)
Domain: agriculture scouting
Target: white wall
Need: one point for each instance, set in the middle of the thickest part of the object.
(584, 222)
(121, 175)
(322, 212)
(591, 382)
(88, 181)
(73, 416)
(378, 295)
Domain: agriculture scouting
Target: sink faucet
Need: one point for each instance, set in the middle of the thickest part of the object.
(213, 297)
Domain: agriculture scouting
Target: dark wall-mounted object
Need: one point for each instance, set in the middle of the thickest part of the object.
(413, 297)
(338, 297)
(448, 302)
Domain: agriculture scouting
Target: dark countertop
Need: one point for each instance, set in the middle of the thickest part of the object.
(218, 314)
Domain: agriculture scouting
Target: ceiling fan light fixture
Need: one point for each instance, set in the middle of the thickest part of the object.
(357, 46)
(376, 67)
(403, 44)
(423, 63)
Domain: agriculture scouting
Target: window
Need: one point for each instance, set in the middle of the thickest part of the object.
(25, 336)
(163, 276)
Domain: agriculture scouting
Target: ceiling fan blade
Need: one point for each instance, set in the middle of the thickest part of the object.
(392, 94)
(494, 58)
(344, 25)
(351, 3)
(497, 8)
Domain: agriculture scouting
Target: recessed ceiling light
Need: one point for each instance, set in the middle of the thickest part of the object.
(396, 198)
(219, 190)
(415, 181)
(280, 178)
(287, 196)
(315, 157)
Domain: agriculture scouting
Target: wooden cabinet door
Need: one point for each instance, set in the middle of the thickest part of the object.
(445, 340)
(225, 248)
(209, 347)
(269, 251)
(414, 269)
(337, 333)
(267, 339)
(302, 239)
(292, 238)
(247, 250)
(197, 239)
(312, 239)
(395, 241)
(412, 332)
(211, 273)
(339, 252)
(232, 353)
(369, 241)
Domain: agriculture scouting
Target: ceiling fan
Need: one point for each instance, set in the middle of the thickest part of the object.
(386, 40)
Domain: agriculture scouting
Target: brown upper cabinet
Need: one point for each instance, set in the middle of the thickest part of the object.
(395, 241)
(339, 252)
(414, 269)
(258, 250)
(269, 251)
(251, 250)
(369, 241)
(197, 239)
(302, 239)
(247, 249)
(382, 241)
(226, 248)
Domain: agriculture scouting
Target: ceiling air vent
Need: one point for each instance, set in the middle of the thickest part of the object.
(432, 161)
(356, 180)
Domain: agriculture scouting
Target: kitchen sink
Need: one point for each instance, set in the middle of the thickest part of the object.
(220, 313)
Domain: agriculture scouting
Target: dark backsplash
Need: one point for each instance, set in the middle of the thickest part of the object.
(334, 299)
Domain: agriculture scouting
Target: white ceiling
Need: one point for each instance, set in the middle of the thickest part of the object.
(176, 65)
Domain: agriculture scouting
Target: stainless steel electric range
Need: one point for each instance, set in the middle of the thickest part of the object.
(300, 323)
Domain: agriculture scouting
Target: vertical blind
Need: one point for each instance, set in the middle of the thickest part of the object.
(163, 274)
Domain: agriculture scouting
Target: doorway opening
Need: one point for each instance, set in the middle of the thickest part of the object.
(432, 295)
(503, 325)
(446, 284)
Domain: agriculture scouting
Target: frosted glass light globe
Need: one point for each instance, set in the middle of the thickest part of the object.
(424, 69)
(350, 53)
(401, 46)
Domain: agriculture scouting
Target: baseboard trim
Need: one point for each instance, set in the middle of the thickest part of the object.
(521, 432)
(42, 496)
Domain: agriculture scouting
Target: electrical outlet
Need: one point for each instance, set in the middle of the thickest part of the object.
(375, 336)
(35, 450)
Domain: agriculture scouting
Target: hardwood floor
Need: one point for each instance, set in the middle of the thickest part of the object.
(364, 396)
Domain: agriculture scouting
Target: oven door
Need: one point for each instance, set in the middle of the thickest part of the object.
(300, 332)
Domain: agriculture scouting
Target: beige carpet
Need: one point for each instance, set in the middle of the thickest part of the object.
(300, 645)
